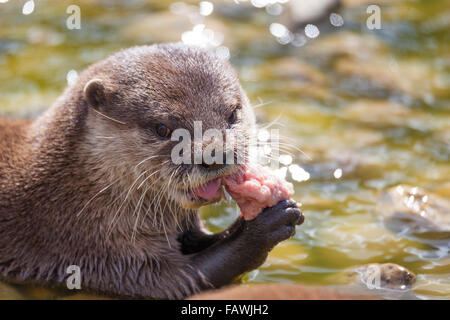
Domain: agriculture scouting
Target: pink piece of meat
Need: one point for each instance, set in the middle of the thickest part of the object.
(257, 188)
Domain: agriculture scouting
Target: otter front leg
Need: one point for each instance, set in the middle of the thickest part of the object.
(195, 240)
(248, 246)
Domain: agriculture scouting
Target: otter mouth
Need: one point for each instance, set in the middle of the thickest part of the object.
(208, 191)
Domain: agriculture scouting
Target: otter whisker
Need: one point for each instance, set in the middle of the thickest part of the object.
(109, 118)
(146, 179)
(154, 196)
(158, 197)
(123, 202)
(271, 123)
(96, 195)
(261, 104)
(156, 201)
(159, 212)
(158, 208)
(146, 159)
(138, 211)
(170, 190)
(282, 146)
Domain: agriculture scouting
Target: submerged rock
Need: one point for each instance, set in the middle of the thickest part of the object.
(385, 113)
(385, 276)
(234, 9)
(299, 13)
(414, 210)
(147, 29)
(384, 279)
(295, 76)
(293, 69)
(404, 80)
(365, 3)
(346, 44)
(365, 65)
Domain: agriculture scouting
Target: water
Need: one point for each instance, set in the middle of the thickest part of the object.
(369, 109)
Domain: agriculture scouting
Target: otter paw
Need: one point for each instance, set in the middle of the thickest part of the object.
(275, 224)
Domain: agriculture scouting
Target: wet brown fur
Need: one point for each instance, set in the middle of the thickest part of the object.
(53, 212)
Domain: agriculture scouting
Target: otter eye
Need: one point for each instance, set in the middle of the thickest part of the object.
(162, 131)
(233, 117)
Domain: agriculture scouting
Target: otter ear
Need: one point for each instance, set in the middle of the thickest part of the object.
(95, 93)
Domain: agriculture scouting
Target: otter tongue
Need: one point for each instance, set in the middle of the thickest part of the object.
(209, 190)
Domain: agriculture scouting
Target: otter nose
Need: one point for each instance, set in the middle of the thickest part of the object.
(214, 166)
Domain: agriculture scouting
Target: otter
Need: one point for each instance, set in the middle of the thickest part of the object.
(90, 183)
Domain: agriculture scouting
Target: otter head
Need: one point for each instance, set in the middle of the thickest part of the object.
(168, 119)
